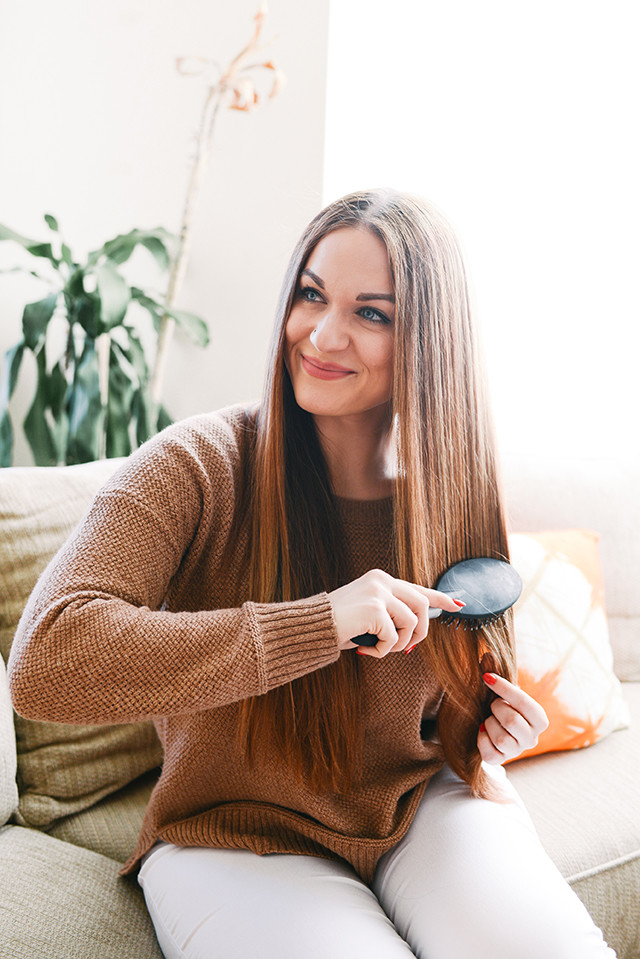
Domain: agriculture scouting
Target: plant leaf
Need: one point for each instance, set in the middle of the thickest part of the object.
(36, 427)
(152, 307)
(22, 269)
(75, 282)
(31, 246)
(86, 413)
(120, 400)
(158, 250)
(56, 391)
(35, 319)
(51, 222)
(145, 414)
(164, 418)
(6, 440)
(193, 326)
(8, 377)
(136, 356)
(114, 293)
(66, 255)
(84, 308)
(159, 242)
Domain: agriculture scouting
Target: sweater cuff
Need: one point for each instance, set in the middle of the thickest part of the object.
(293, 638)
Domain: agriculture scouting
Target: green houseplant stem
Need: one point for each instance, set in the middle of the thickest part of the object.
(235, 88)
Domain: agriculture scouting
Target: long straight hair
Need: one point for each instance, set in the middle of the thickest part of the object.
(446, 499)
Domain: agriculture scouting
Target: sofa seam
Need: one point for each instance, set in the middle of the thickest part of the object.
(604, 867)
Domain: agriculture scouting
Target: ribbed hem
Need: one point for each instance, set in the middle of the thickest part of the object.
(293, 638)
(267, 829)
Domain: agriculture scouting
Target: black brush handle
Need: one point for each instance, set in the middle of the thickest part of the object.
(365, 639)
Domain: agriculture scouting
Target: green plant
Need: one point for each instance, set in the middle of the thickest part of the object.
(92, 393)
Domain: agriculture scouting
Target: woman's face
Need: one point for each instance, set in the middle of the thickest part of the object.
(345, 295)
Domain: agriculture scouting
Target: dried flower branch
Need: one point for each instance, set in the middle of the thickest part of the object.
(234, 88)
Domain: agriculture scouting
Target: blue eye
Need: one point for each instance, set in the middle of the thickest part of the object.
(375, 316)
(309, 294)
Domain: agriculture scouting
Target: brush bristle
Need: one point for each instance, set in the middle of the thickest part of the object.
(470, 622)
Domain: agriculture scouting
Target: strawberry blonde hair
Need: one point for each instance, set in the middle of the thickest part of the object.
(446, 500)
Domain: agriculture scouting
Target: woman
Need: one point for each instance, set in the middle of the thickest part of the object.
(216, 585)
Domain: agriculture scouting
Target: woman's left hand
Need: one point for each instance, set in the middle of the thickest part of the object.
(514, 725)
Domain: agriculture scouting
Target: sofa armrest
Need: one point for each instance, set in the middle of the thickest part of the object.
(8, 761)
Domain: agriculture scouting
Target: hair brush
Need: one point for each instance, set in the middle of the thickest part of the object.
(488, 588)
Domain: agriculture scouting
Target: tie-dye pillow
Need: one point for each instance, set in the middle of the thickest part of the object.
(562, 640)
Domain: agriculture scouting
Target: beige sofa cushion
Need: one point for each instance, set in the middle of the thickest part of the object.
(63, 901)
(61, 769)
(112, 826)
(585, 805)
(8, 787)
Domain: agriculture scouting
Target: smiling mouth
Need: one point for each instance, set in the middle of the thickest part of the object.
(324, 371)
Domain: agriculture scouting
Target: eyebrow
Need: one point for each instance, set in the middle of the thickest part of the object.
(361, 296)
(377, 296)
(314, 277)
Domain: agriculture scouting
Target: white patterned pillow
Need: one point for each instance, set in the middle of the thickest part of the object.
(562, 641)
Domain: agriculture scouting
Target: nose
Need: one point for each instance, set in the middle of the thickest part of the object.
(331, 334)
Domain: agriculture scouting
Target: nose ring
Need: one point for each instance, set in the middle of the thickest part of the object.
(311, 337)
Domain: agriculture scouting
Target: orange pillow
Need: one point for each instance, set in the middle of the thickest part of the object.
(562, 640)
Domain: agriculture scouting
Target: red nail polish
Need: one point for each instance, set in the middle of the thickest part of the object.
(459, 602)
(490, 679)
(409, 648)
(360, 651)
(482, 728)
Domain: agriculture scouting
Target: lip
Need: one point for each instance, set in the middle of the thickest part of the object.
(324, 371)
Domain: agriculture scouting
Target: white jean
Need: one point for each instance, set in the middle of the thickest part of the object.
(470, 880)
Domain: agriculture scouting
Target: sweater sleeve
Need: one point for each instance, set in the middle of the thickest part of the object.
(97, 643)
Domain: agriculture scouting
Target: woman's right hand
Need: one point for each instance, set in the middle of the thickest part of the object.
(396, 611)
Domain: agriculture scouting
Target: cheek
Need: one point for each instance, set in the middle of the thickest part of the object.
(383, 361)
(294, 333)
(297, 327)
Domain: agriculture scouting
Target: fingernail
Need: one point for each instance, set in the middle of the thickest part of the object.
(459, 602)
(360, 651)
(490, 679)
(482, 728)
(409, 648)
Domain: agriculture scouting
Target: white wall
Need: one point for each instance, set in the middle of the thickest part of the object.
(519, 121)
(97, 128)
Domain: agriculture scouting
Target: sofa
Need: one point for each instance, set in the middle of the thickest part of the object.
(72, 798)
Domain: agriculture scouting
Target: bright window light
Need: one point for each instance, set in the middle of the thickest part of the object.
(519, 121)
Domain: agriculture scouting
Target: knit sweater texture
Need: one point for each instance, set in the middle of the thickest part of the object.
(143, 614)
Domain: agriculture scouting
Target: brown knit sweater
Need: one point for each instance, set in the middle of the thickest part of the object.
(137, 617)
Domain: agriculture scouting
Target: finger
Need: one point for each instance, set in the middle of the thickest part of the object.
(488, 752)
(502, 742)
(434, 596)
(404, 622)
(411, 627)
(532, 711)
(515, 724)
(385, 630)
(415, 603)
